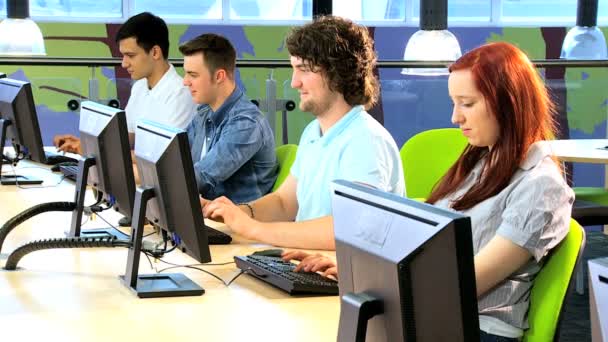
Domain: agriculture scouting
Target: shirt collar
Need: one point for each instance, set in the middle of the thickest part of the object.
(218, 116)
(160, 85)
(536, 153)
(335, 130)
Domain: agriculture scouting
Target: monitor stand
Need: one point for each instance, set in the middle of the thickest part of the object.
(81, 186)
(152, 285)
(11, 179)
(356, 309)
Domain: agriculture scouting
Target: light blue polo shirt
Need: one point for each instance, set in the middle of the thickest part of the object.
(356, 148)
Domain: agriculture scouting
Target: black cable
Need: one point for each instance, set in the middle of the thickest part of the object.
(25, 215)
(194, 266)
(72, 242)
(209, 273)
(150, 261)
(108, 223)
(236, 276)
(177, 265)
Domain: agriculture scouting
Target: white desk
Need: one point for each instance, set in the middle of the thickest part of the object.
(75, 294)
(581, 150)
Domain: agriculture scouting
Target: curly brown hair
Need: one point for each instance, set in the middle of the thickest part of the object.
(344, 52)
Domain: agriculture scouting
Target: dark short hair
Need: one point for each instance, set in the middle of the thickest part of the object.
(217, 51)
(148, 30)
(344, 51)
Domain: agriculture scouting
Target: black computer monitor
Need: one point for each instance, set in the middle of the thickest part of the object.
(106, 165)
(168, 197)
(19, 124)
(405, 268)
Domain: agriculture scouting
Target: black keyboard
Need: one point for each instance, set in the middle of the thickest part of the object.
(279, 273)
(215, 237)
(53, 159)
(69, 171)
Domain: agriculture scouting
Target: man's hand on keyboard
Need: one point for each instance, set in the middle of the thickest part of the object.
(67, 143)
(313, 263)
(224, 210)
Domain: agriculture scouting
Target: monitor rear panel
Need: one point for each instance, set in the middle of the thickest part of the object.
(416, 258)
(104, 136)
(17, 105)
(165, 164)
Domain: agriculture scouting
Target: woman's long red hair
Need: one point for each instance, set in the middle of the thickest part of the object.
(517, 97)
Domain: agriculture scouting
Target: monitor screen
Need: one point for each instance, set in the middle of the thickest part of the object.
(17, 106)
(415, 262)
(165, 165)
(104, 136)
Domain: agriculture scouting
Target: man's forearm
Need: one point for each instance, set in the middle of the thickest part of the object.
(271, 208)
(311, 234)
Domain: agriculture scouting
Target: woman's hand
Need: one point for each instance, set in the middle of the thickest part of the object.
(313, 263)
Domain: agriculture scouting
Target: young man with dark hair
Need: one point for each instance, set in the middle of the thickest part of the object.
(333, 62)
(231, 142)
(158, 93)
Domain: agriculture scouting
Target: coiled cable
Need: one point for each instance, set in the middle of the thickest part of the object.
(25, 215)
(71, 242)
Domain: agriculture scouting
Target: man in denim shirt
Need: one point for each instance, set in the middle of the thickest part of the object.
(231, 142)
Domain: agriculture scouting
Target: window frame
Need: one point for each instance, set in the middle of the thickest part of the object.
(495, 19)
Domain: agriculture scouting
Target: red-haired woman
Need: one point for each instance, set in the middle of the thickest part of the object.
(506, 180)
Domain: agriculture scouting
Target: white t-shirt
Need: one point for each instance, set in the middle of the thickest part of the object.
(169, 102)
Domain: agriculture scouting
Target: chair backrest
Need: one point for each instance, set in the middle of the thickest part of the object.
(427, 156)
(552, 285)
(286, 155)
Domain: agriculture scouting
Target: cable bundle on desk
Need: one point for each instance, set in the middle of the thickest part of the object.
(25, 215)
(31, 212)
(73, 242)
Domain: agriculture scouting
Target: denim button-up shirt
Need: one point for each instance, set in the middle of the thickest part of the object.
(240, 161)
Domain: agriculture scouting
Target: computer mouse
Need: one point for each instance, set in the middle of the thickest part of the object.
(55, 168)
(269, 252)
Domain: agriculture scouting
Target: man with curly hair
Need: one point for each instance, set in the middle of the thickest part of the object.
(333, 62)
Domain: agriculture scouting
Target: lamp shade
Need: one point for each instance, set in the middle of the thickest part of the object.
(433, 42)
(436, 45)
(585, 40)
(19, 35)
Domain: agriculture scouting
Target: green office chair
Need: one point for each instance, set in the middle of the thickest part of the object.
(592, 194)
(427, 156)
(286, 155)
(552, 285)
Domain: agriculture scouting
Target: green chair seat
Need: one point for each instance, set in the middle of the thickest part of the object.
(592, 194)
(286, 155)
(552, 285)
(427, 156)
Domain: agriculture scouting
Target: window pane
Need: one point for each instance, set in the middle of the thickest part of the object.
(76, 8)
(463, 10)
(271, 9)
(204, 9)
(370, 9)
(547, 10)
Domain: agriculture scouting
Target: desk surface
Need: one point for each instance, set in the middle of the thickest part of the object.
(581, 150)
(75, 294)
